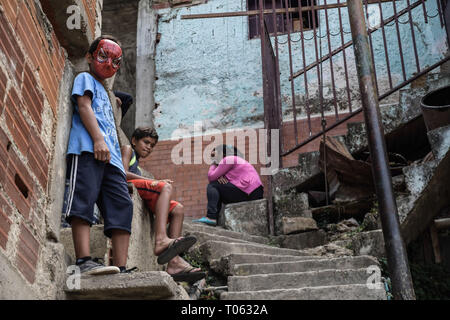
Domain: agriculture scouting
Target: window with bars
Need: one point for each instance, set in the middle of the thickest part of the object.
(308, 18)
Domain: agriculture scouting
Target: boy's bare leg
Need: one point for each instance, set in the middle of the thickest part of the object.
(162, 241)
(177, 264)
(120, 241)
(176, 221)
(81, 231)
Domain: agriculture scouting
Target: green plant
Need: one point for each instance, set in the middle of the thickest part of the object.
(273, 242)
(430, 281)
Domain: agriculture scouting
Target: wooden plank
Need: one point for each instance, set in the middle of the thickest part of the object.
(435, 243)
(442, 224)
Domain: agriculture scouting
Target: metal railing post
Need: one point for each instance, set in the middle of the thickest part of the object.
(395, 248)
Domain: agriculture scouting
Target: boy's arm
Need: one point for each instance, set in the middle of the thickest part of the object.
(127, 153)
(101, 151)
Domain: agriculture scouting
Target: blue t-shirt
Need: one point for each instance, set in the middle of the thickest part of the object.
(80, 140)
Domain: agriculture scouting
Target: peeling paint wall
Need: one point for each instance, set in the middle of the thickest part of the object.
(208, 70)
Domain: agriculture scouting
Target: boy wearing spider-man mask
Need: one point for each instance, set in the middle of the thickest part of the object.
(95, 171)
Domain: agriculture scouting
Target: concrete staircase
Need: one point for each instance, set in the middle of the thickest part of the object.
(425, 192)
(149, 283)
(257, 270)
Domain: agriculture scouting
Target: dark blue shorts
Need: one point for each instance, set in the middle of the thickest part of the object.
(92, 181)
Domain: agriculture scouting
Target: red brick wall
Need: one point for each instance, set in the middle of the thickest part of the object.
(90, 7)
(31, 67)
(190, 180)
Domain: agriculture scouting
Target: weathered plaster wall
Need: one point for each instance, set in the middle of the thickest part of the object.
(208, 70)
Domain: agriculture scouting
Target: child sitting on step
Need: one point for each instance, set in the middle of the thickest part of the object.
(157, 196)
(231, 179)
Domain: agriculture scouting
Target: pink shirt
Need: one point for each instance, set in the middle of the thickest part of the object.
(238, 171)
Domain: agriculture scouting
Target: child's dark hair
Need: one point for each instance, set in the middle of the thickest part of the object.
(143, 132)
(229, 150)
(95, 43)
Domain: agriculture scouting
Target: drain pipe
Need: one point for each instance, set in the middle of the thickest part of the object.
(395, 248)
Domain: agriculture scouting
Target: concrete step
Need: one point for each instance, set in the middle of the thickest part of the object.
(151, 285)
(341, 292)
(213, 250)
(303, 266)
(298, 279)
(189, 227)
(203, 237)
(225, 264)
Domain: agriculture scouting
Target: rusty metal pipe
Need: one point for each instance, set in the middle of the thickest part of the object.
(395, 247)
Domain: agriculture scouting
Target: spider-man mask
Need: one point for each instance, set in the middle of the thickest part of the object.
(107, 59)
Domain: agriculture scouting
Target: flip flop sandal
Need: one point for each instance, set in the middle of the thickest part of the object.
(176, 247)
(205, 221)
(187, 276)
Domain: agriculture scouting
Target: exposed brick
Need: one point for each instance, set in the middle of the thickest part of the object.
(5, 223)
(16, 167)
(4, 205)
(39, 169)
(10, 9)
(16, 122)
(20, 202)
(8, 46)
(3, 83)
(34, 101)
(38, 158)
(27, 254)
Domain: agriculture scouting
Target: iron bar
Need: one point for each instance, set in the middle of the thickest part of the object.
(319, 81)
(305, 77)
(344, 56)
(424, 11)
(386, 54)
(446, 14)
(371, 49)
(357, 111)
(294, 109)
(277, 78)
(399, 40)
(269, 101)
(349, 43)
(395, 247)
(269, 11)
(413, 36)
(333, 85)
(441, 12)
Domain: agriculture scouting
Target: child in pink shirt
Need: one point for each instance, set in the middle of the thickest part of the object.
(232, 179)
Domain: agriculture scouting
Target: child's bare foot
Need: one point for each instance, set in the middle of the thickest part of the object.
(166, 249)
(178, 264)
(161, 245)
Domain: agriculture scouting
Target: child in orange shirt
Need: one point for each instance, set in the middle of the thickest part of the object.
(157, 194)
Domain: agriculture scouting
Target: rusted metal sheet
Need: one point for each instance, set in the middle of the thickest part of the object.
(349, 170)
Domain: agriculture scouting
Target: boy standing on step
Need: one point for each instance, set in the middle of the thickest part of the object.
(94, 163)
